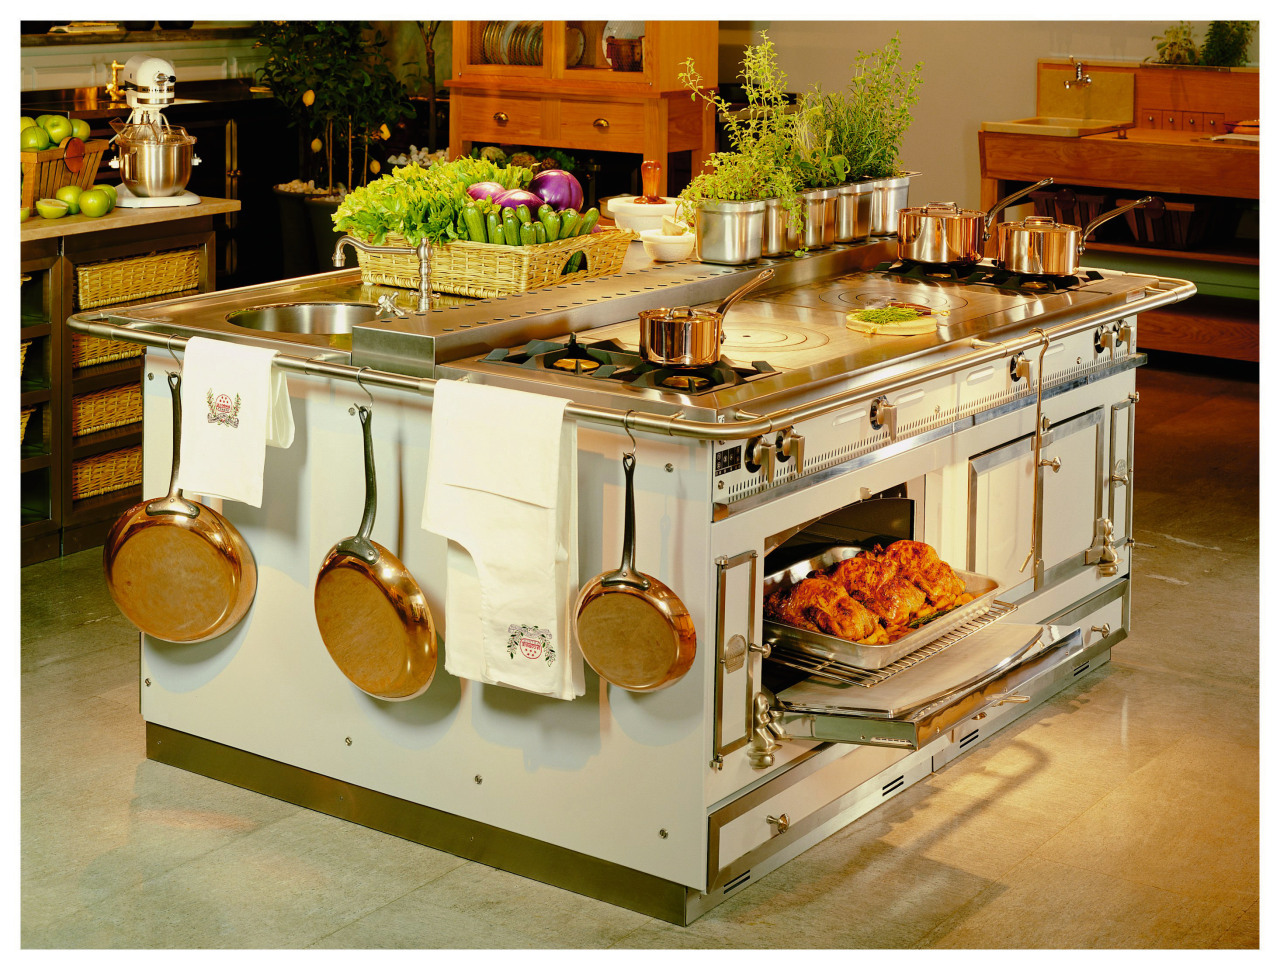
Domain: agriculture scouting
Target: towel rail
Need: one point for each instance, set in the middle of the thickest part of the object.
(675, 425)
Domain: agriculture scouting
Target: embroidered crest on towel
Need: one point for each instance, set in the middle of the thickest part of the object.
(223, 410)
(530, 642)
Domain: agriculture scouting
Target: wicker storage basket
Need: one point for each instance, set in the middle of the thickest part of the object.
(487, 269)
(136, 277)
(109, 408)
(43, 173)
(108, 472)
(26, 416)
(22, 355)
(86, 351)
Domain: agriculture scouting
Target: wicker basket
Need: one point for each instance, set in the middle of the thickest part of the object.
(487, 269)
(26, 416)
(110, 408)
(22, 355)
(108, 472)
(136, 277)
(43, 173)
(86, 351)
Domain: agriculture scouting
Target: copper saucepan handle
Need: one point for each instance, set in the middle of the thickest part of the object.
(1108, 216)
(625, 574)
(174, 503)
(1010, 199)
(762, 277)
(359, 544)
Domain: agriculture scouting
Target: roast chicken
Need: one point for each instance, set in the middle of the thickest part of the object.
(817, 603)
(873, 597)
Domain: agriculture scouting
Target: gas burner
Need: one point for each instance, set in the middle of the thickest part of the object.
(910, 269)
(1027, 282)
(607, 360)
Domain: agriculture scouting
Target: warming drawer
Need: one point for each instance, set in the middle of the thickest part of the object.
(913, 706)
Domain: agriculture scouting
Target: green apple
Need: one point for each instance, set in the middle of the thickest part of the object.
(80, 128)
(58, 128)
(26, 211)
(35, 139)
(70, 194)
(41, 119)
(51, 208)
(27, 122)
(95, 202)
(107, 188)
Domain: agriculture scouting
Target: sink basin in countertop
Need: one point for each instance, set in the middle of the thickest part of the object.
(1059, 127)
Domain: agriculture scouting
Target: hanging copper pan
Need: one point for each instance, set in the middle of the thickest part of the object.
(633, 630)
(178, 570)
(373, 617)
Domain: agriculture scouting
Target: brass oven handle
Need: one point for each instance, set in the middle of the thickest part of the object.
(500, 117)
(601, 123)
(1054, 463)
(1105, 629)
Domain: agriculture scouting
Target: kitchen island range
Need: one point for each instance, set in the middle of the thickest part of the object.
(1002, 437)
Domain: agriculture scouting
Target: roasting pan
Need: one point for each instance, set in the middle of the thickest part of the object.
(809, 558)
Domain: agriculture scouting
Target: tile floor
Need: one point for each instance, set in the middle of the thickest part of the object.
(1123, 813)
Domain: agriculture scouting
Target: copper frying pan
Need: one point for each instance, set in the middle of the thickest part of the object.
(177, 569)
(633, 630)
(373, 618)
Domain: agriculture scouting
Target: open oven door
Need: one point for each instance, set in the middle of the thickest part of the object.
(917, 704)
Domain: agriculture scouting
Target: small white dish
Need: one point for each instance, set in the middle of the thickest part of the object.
(627, 213)
(666, 249)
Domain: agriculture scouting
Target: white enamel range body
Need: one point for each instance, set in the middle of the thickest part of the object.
(688, 794)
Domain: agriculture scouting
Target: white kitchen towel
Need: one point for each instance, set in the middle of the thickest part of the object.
(502, 487)
(234, 404)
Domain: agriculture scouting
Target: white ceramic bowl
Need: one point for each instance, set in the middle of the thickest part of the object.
(627, 213)
(666, 249)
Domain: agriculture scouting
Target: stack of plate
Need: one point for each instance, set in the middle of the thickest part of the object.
(520, 42)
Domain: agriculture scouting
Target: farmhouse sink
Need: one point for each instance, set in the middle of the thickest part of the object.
(1059, 127)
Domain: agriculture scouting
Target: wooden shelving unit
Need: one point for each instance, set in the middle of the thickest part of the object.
(52, 251)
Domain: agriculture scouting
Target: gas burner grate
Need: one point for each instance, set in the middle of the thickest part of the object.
(782, 653)
(690, 380)
(984, 274)
(910, 269)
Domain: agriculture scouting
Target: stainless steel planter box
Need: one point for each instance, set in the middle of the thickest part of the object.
(853, 211)
(778, 240)
(731, 233)
(818, 209)
(889, 196)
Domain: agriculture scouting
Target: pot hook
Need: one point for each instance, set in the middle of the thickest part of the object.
(627, 429)
(352, 409)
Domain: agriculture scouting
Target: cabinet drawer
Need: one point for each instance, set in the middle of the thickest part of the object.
(503, 118)
(602, 125)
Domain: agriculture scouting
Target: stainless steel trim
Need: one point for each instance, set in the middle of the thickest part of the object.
(462, 837)
(1112, 471)
(674, 425)
(1067, 428)
(724, 565)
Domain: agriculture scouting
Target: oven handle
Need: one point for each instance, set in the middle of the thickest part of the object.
(97, 323)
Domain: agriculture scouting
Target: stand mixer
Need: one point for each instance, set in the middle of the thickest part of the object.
(155, 158)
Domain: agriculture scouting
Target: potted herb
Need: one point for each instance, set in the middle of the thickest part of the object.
(1226, 43)
(819, 171)
(1176, 45)
(744, 205)
(868, 121)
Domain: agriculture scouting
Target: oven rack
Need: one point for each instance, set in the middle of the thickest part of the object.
(812, 663)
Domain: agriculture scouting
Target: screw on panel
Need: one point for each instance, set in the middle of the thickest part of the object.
(670, 467)
(147, 681)
(479, 779)
(348, 740)
(662, 833)
(151, 375)
(720, 484)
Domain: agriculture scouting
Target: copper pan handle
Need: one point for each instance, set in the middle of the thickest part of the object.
(174, 503)
(359, 544)
(1108, 216)
(1010, 199)
(761, 277)
(625, 574)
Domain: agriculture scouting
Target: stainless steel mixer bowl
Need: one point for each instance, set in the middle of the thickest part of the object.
(155, 170)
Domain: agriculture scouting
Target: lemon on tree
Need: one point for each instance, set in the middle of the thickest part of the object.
(70, 194)
(308, 97)
(95, 202)
(51, 208)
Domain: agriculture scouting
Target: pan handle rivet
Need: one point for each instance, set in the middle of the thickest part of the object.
(348, 740)
(479, 779)
(662, 833)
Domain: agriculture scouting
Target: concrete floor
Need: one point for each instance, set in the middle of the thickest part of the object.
(1123, 813)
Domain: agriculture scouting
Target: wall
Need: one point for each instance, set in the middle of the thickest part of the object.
(973, 72)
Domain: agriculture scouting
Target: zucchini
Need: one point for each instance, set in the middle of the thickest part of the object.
(495, 229)
(550, 221)
(528, 236)
(523, 214)
(569, 219)
(475, 224)
(540, 231)
(510, 227)
(589, 220)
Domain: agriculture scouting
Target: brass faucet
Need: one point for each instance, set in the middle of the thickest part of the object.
(1081, 79)
(422, 251)
(113, 86)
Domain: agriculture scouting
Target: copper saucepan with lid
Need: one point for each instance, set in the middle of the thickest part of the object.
(688, 337)
(943, 232)
(1041, 246)
(177, 569)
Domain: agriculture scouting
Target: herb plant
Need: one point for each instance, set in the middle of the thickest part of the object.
(1226, 43)
(1176, 45)
(870, 118)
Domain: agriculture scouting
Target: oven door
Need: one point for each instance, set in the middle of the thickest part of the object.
(909, 707)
